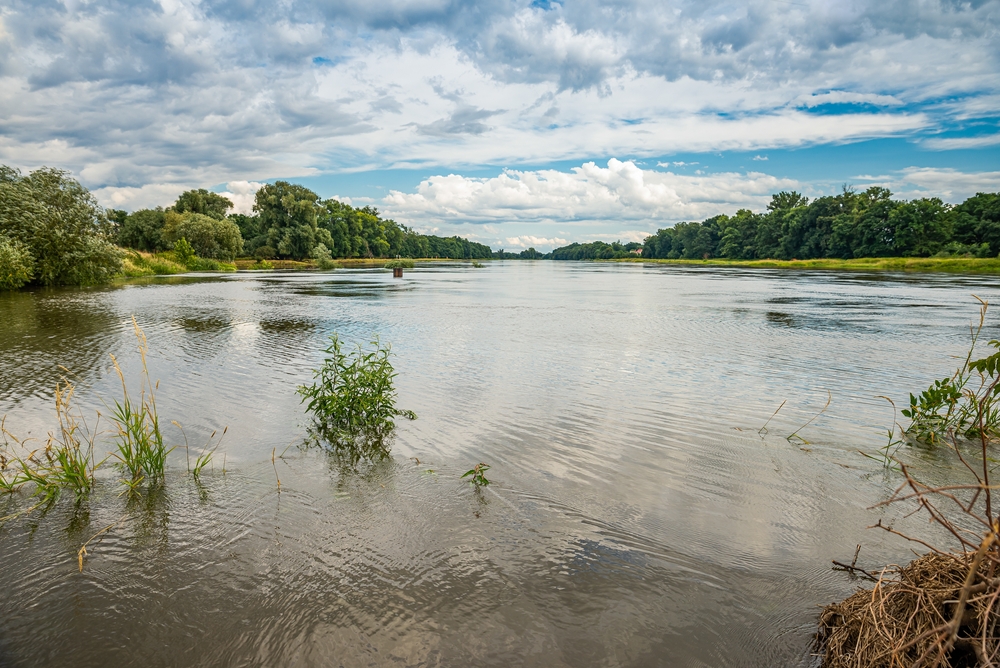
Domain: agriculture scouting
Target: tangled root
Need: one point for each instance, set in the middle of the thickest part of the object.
(916, 616)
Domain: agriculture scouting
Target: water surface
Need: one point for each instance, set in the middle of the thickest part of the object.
(636, 517)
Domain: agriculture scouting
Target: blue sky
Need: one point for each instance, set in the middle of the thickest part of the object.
(515, 123)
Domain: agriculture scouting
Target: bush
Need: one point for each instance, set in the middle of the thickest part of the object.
(353, 401)
(265, 253)
(323, 257)
(183, 253)
(143, 230)
(16, 264)
(61, 224)
(211, 238)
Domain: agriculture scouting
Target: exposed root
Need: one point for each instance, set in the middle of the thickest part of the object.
(940, 610)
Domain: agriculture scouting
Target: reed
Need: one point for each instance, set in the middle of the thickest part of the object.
(140, 448)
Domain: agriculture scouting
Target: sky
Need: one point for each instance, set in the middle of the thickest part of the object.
(512, 123)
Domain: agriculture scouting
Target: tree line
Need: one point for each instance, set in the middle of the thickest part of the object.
(848, 225)
(289, 221)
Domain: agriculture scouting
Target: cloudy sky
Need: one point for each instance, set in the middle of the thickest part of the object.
(512, 122)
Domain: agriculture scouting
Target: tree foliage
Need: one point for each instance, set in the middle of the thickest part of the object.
(65, 232)
(209, 237)
(204, 202)
(849, 225)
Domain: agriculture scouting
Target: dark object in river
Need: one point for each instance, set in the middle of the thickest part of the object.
(397, 272)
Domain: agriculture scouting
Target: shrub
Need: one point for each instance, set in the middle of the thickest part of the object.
(16, 264)
(183, 253)
(265, 253)
(403, 263)
(323, 257)
(353, 401)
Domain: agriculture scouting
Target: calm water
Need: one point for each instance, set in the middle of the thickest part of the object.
(636, 517)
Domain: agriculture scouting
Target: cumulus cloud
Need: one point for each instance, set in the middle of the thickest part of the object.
(538, 243)
(140, 97)
(241, 194)
(619, 191)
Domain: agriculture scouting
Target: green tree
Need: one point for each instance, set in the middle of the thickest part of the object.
(143, 230)
(209, 237)
(287, 218)
(204, 202)
(62, 226)
(17, 266)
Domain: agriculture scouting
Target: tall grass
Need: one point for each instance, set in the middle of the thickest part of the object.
(65, 462)
(141, 451)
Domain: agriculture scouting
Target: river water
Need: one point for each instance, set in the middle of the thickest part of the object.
(636, 516)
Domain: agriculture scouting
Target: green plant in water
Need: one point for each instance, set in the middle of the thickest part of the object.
(353, 401)
(262, 264)
(478, 475)
(964, 404)
(399, 263)
(141, 451)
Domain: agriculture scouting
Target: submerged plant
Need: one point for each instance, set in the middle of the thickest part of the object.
(353, 400)
(478, 475)
(141, 451)
(965, 404)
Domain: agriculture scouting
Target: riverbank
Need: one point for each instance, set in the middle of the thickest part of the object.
(341, 263)
(951, 265)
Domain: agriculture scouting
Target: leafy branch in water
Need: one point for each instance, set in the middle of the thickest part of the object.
(964, 404)
(353, 401)
(478, 477)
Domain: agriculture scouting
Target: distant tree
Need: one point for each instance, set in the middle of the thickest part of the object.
(204, 202)
(143, 230)
(287, 219)
(209, 237)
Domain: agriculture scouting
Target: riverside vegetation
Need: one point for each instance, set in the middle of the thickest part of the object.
(66, 461)
(943, 609)
(53, 232)
(353, 401)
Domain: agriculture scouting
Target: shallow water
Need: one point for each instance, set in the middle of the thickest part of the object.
(636, 517)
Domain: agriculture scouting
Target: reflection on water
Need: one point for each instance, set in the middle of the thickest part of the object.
(635, 518)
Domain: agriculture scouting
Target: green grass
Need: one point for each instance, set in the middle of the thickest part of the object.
(138, 263)
(399, 263)
(954, 265)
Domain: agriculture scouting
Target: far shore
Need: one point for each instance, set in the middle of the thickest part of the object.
(951, 265)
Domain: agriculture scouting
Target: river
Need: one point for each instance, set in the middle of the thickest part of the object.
(636, 515)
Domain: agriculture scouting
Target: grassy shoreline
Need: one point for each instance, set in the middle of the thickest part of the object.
(952, 265)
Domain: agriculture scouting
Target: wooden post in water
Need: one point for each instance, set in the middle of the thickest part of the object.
(397, 272)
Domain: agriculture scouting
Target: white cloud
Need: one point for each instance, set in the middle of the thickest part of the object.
(620, 191)
(538, 243)
(760, 157)
(948, 143)
(847, 97)
(624, 235)
(241, 194)
(148, 196)
(950, 185)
